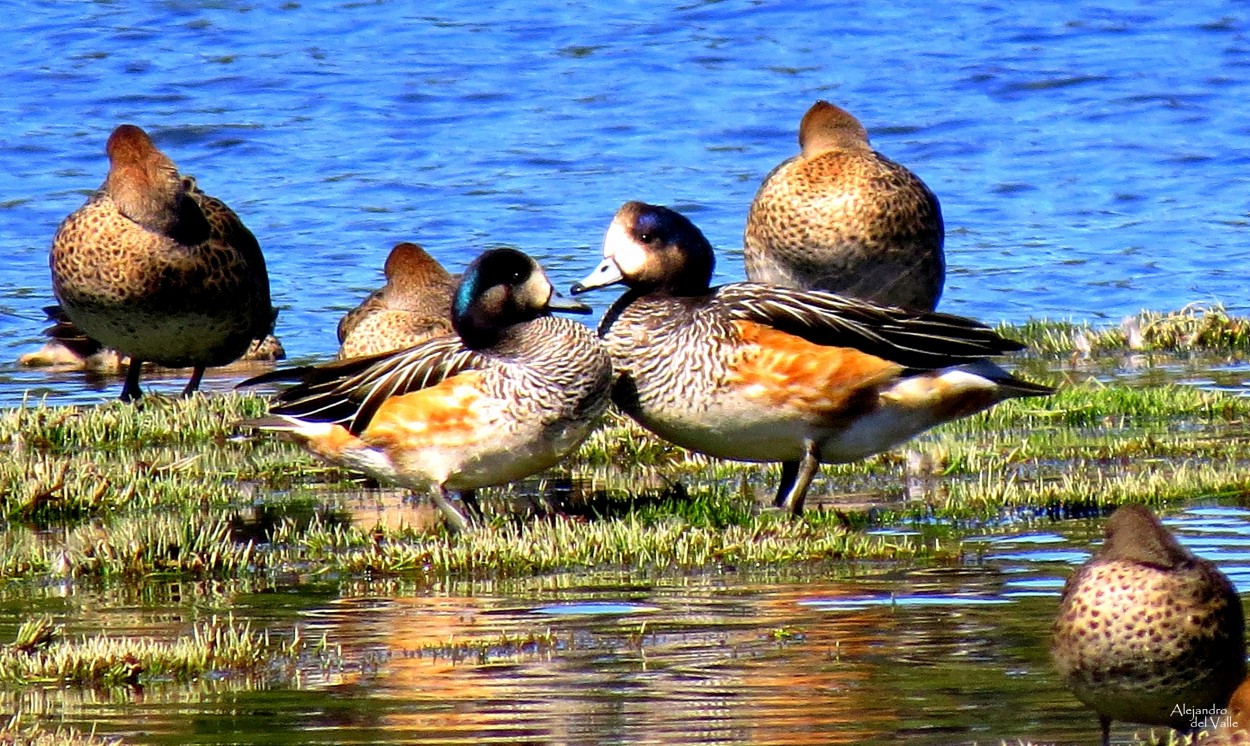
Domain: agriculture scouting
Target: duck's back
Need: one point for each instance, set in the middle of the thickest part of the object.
(414, 305)
(1133, 640)
(848, 221)
(518, 409)
(391, 320)
(194, 299)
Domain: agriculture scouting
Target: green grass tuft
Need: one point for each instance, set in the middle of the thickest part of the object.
(214, 646)
(1195, 327)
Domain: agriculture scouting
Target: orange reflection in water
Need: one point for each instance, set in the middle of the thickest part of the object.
(706, 666)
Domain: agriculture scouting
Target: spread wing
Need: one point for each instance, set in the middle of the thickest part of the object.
(349, 392)
(920, 340)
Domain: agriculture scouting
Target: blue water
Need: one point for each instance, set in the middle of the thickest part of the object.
(1091, 160)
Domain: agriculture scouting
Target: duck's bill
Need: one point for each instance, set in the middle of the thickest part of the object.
(607, 273)
(558, 302)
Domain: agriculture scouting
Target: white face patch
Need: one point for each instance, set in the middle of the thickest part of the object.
(619, 246)
(539, 288)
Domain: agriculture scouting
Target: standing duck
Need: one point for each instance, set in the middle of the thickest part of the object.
(757, 372)
(1147, 630)
(508, 395)
(841, 217)
(158, 270)
(413, 306)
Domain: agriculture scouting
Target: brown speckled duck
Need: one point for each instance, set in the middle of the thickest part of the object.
(1147, 629)
(413, 306)
(157, 269)
(843, 218)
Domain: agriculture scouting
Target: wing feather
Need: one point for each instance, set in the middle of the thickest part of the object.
(921, 340)
(349, 392)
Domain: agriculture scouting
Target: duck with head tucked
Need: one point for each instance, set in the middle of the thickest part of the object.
(1147, 631)
(508, 395)
(756, 372)
(413, 306)
(842, 217)
(158, 270)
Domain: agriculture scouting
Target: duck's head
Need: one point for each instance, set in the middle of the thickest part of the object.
(653, 248)
(1136, 535)
(411, 268)
(143, 181)
(827, 127)
(502, 288)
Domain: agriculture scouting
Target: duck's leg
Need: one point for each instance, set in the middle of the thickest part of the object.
(796, 476)
(1105, 722)
(472, 508)
(455, 519)
(131, 391)
(789, 472)
(197, 375)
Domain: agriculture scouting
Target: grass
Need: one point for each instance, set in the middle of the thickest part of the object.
(215, 647)
(158, 421)
(1197, 327)
(172, 487)
(171, 492)
(91, 493)
(18, 733)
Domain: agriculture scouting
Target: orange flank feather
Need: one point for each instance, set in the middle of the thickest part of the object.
(333, 444)
(783, 370)
(450, 414)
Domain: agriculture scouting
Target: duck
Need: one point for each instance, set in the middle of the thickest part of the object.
(843, 218)
(413, 306)
(1148, 632)
(757, 372)
(156, 269)
(506, 396)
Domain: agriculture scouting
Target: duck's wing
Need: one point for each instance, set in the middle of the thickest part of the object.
(349, 392)
(67, 333)
(372, 303)
(921, 340)
(225, 224)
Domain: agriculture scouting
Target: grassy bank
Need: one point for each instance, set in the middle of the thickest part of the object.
(173, 486)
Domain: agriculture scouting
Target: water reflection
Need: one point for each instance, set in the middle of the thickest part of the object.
(871, 653)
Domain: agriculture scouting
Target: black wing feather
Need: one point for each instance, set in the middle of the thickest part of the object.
(921, 340)
(349, 392)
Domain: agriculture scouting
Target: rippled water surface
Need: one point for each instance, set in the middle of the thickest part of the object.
(1091, 159)
(872, 653)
